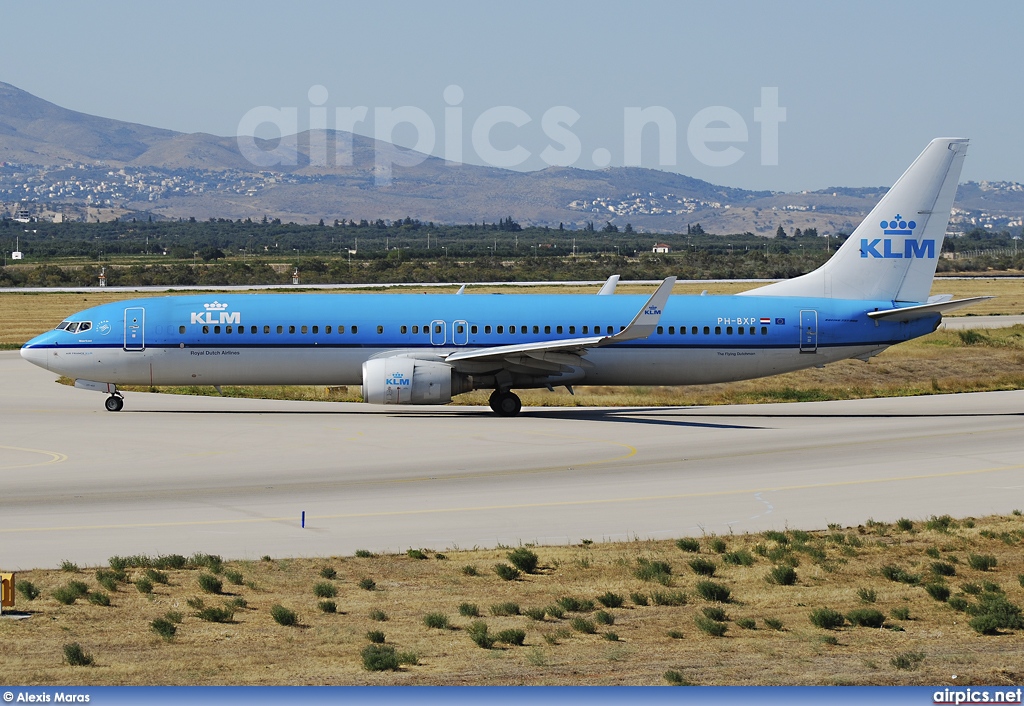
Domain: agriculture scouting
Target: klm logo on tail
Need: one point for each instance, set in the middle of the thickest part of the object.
(898, 226)
(883, 247)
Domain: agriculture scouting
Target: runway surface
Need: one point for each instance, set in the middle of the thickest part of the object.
(232, 477)
(966, 322)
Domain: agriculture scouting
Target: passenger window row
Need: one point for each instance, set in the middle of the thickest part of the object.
(548, 330)
(459, 328)
(278, 329)
(740, 330)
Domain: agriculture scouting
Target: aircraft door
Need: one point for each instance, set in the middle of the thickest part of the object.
(460, 333)
(808, 331)
(135, 328)
(438, 329)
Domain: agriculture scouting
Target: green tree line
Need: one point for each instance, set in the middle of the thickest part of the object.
(223, 252)
(219, 238)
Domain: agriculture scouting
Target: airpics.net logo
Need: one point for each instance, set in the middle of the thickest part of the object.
(714, 135)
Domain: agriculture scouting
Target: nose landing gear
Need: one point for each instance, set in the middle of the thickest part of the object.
(114, 403)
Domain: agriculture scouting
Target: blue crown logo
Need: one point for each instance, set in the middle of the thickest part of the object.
(898, 226)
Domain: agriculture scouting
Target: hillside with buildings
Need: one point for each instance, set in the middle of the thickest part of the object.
(60, 164)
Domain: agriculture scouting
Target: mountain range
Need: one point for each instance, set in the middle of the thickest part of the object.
(58, 160)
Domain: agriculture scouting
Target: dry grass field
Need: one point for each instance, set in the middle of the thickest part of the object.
(908, 603)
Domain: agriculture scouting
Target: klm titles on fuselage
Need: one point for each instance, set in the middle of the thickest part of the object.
(222, 317)
(216, 313)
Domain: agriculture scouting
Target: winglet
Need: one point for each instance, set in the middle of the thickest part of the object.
(609, 286)
(646, 320)
(462, 290)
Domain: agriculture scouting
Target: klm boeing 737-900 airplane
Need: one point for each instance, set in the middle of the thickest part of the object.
(416, 349)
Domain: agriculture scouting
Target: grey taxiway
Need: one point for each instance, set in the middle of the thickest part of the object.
(174, 474)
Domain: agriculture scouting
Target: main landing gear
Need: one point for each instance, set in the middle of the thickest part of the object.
(505, 403)
(114, 403)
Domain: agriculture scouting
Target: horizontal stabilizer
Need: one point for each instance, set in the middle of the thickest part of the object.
(909, 313)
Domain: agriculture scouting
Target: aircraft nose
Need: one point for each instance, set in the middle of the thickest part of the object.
(35, 354)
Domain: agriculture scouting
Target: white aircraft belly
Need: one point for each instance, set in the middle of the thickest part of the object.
(259, 366)
(700, 366)
(214, 366)
(343, 366)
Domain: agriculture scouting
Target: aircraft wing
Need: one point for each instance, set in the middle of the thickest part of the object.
(552, 355)
(909, 313)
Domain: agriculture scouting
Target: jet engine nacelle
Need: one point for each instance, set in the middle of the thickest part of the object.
(408, 381)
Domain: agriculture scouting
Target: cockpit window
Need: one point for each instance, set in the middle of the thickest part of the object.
(75, 326)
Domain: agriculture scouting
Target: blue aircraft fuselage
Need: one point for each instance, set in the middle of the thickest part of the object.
(323, 339)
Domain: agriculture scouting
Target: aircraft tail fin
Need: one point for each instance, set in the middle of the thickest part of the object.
(892, 254)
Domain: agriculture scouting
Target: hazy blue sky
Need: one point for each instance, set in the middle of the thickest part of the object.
(865, 85)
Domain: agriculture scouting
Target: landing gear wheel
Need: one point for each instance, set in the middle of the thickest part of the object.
(506, 404)
(114, 403)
